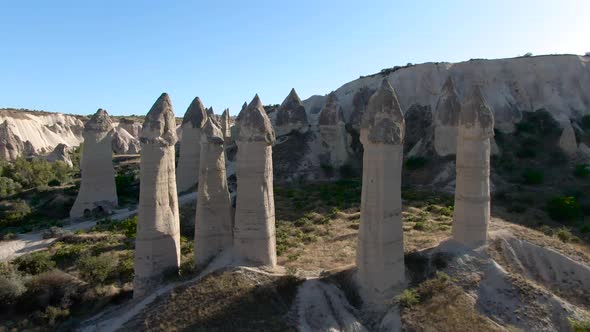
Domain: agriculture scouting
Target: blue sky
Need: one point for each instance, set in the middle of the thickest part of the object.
(77, 56)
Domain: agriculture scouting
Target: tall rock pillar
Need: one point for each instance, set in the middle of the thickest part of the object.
(446, 120)
(254, 230)
(472, 190)
(226, 127)
(187, 175)
(380, 248)
(157, 244)
(333, 133)
(97, 188)
(213, 223)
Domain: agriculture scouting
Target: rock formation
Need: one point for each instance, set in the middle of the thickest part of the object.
(254, 231)
(380, 248)
(290, 115)
(61, 152)
(333, 133)
(226, 127)
(567, 140)
(157, 244)
(131, 126)
(187, 175)
(97, 187)
(11, 146)
(124, 142)
(446, 120)
(213, 223)
(472, 189)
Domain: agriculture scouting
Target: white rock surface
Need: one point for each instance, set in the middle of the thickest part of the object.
(226, 127)
(44, 130)
(11, 146)
(472, 189)
(157, 244)
(97, 187)
(213, 221)
(187, 174)
(254, 230)
(380, 246)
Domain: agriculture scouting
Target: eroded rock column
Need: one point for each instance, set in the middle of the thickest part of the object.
(157, 245)
(254, 230)
(472, 190)
(446, 120)
(226, 127)
(291, 115)
(333, 133)
(380, 248)
(187, 175)
(97, 187)
(213, 223)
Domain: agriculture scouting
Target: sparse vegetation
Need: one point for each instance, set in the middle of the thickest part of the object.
(414, 163)
(564, 209)
(532, 176)
(408, 298)
(582, 171)
(580, 325)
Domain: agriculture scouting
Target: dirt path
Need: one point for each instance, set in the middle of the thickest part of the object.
(30, 242)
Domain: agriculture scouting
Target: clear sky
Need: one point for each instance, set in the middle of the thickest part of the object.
(77, 56)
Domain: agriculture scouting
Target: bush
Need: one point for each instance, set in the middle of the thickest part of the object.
(580, 325)
(564, 208)
(12, 214)
(413, 163)
(54, 287)
(53, 315)
(12, 287)
(565, 235)
(35, 263)
(581, 171)
(96, 269)
(586, 121)
(532, 176)
(408, 298)
(9, 187)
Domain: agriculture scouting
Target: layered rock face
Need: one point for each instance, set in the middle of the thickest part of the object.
(333, 133)
(213, 223)
(124, 142)
(472, 190)
(254, 230)
(97, 187)
(290, 115)
(157, 244)
(11, 146)
(61, 152)
(190, 146)
(380, 247)
(42, 130)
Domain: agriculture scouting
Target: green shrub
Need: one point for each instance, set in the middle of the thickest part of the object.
(15, 213)
(532, 176)
(96, 269)
(54, 287)
(408, 298)
(564, 208)
(52, 315)
(9, 187)
(124, 182)
(579, 325)
(35, 263)
(413, 163)
(581, 171)
(421, 226)
(565, 235)
(586, 121)
(12, 286)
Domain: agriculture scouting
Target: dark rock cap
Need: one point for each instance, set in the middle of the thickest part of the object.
(99, 122)
(211, 132)
(291, 111)
(383, 121)
(448, 107)
(331, 113)
(254, 124)
(476, 119)
(160, 125)
(195, 114)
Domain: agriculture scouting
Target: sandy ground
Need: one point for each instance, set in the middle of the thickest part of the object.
(30, 242)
